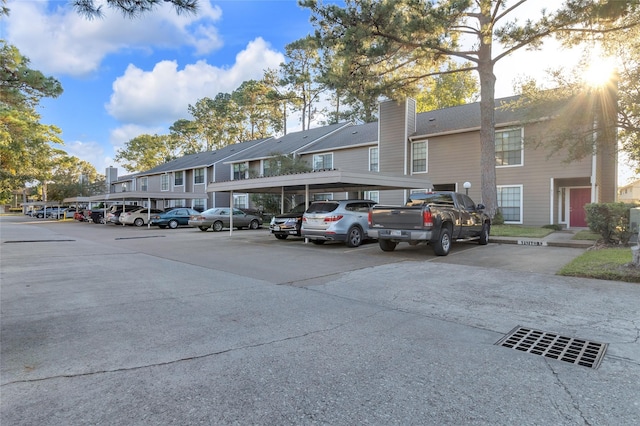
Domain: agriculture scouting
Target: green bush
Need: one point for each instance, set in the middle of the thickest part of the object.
(610, 221)
(498, 219)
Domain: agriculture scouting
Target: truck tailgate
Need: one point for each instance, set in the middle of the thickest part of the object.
(393, 217)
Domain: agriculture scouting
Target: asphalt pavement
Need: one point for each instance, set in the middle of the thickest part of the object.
(107, 325)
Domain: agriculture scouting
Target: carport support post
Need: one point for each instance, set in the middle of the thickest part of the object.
(306, 204)
(282, 200)
(230, 212)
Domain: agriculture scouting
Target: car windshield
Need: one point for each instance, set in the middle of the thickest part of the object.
(322, 207)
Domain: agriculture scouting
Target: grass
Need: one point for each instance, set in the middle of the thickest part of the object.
(519, 231)
(606, 263)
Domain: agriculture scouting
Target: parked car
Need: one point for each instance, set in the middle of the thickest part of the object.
(63, 212)
(340, 220)
(173, 218)
(42, 212)
(138, 217)
(289, 223)
(113, 214)
(219, 218)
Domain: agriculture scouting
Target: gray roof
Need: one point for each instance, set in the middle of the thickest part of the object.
(203, 159)
(286, 144)
(355, 135)
(465, 117)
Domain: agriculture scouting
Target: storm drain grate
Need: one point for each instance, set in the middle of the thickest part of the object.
(552, 345)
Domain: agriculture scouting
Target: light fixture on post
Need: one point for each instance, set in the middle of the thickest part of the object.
(466, 187)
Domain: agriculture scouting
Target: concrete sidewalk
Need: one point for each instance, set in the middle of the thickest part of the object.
(562, 238)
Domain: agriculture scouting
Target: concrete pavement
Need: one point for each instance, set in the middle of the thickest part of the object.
(171, 328)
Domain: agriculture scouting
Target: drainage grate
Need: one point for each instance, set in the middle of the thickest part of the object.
(552, 345)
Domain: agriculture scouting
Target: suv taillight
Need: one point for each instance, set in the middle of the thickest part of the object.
(333, 218)
(370, 218)
(427, 219)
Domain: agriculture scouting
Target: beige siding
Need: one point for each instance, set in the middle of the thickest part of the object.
(456, 159)
(393, 133)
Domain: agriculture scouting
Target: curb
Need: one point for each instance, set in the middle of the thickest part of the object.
(537, 242)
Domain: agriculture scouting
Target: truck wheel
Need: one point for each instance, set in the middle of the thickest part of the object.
(354, 236)
(281, 236)
(387, 245)
(484, 235)
(442, 245)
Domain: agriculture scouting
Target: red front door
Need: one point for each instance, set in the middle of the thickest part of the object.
(578, 197)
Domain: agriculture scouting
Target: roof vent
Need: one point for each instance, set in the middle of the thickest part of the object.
(432, 119)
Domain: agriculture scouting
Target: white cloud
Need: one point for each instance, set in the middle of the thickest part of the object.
(63, 42)
(163, 94)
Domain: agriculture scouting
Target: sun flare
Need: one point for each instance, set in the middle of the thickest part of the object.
(599, 72)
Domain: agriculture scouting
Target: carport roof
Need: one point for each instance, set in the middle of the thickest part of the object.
(321, 181)
(143, 195)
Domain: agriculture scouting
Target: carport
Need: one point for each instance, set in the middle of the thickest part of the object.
(320, 181)
(116, 197)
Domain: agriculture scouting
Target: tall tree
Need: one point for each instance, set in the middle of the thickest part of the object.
(131, 8)
(218, 121)
(386, 39)
(185, 133)
(24, 141)
(260, 115)
(282, 98)
(300, 76)
(145, 152)
(73, 177)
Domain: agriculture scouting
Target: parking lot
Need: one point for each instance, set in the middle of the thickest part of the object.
(106, 324)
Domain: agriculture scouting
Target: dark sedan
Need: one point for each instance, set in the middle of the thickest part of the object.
(173, 218)
(286, 224)
(218, 218)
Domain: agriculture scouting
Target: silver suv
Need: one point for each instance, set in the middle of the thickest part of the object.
(339, 220)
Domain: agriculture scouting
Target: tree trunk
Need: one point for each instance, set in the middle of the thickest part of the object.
(487, 118)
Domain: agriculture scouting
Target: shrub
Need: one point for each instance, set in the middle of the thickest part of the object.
(498, 219)
(610, 221)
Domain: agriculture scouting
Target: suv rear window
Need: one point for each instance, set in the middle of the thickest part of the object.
(323, 207)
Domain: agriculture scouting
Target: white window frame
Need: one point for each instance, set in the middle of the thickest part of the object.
(372, 195)
(246, 170)
(165, 182)
(426, 159)
(175, 176)
(521, 206)
(204, 176)
(325, 155)
(502, 166)
(322, 196)
(377, 151)
(144, 184)
(241, 201)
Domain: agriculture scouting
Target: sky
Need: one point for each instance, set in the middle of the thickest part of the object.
(126, 77)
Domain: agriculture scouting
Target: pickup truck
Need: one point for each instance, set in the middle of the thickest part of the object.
(435, 218)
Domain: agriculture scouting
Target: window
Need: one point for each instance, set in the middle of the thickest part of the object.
(419, 157)
(164, 182)
(373, 159)
(323, 196)
(322, 161)
(199, 204)
(240, 171)
(240, 201)
(372, 195)
(144, 184)
(509, 148)
(198, 175)
(510, 203)
(178, 178)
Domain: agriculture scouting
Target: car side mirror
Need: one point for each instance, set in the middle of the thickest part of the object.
(480, 207)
